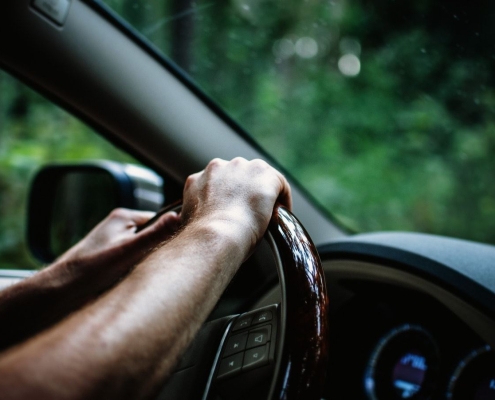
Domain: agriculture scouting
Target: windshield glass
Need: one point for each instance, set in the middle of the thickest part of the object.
(384, 110)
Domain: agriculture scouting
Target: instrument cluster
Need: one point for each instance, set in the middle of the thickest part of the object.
(394, 344)
(406, 363)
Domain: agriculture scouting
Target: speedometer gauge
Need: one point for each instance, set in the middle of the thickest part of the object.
(474, 377)
(403, 365)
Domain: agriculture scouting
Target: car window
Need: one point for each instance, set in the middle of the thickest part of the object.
(382, 109)
(34, 132)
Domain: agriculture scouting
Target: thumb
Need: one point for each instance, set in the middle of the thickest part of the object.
(165, 226)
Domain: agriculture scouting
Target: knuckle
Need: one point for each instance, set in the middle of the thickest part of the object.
(213, 165)
(261, 164)
(119, 213)
(190, 180)
(259, 161)
(238, 160)
(215, 162)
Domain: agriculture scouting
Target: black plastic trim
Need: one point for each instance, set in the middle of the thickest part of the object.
(217, 357)
(444, 276)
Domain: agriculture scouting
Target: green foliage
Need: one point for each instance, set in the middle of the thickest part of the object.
(34, 132)
(404, 144)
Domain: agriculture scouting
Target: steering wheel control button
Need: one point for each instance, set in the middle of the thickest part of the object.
(230, 366)
(235, 344)
(250, 343)
(259, 336)
(242, 322)
(262, 317)
(256, 357)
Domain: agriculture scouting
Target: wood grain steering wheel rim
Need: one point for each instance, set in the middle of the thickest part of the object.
(303, 343)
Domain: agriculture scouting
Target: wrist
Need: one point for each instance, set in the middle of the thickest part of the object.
(229, 232)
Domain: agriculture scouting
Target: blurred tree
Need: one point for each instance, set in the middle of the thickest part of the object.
(384, 110)
(182, 32)
(35, 132)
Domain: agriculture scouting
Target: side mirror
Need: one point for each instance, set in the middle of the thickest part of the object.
(67, 201)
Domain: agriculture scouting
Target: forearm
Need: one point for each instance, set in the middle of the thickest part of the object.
(50, 295)
(127, 342)
(92, 266)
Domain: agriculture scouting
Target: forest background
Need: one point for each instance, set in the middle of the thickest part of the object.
(383, 110)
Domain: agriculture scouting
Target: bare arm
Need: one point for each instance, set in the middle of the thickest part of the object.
(93, 265)
(127, 342)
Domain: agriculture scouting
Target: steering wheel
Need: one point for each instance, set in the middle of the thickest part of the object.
(302, 348)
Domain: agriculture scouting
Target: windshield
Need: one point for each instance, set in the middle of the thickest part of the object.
(384, 110)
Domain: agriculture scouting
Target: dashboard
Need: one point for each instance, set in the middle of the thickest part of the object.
(412, 316)
(392, 343)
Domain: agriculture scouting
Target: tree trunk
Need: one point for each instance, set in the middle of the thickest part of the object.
(182, 33)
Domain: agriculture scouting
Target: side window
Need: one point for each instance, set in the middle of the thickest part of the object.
(34, 132)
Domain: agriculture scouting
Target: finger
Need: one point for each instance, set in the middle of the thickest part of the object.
(140, 217)
(166, 225)
(285, 195)
(138, 245)
(126, 215)
(282, 185)
(169, 223)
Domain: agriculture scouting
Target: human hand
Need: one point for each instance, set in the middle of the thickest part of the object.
(114, 239)
(238, 193)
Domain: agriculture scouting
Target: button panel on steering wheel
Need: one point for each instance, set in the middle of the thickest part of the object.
(248, 353)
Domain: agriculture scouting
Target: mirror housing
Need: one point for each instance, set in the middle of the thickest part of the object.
(67, 200)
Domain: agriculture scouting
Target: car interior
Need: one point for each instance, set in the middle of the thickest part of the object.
(324, 314)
